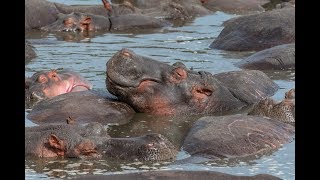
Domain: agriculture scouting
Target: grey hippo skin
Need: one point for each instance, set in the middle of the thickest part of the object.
(91, 141)
(257, 31)
(29, 52)
(81, 107)
(178, 175)
(236, 136)
(283, 111)
(50, 83)
(281, 57)
(154, 87)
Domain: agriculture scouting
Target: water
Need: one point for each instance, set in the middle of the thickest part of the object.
(188, 44)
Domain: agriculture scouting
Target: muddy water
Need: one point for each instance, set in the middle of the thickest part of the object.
(187, 44)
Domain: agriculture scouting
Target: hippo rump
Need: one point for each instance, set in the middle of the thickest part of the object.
(91, 141)
(47, 84)
(236, 136)
(257, 31)
(177, 175)
(29, 52)
(234, 6)
(283, 111)
(154, 87)
(85, 22)
(81, 107)
(281, 57)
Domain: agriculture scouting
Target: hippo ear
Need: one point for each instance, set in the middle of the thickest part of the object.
(55, 142)
(178, 74)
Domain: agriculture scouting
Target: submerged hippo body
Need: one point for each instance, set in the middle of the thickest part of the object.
(235, 136)
(177, 175)
(47, 84)
(154, 87)
(281, 57)
(65, 140)
(81, 107)
(257, 31)
(29, 52)
(283, 111)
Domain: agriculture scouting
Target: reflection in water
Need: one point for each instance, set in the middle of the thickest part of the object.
(88, 55)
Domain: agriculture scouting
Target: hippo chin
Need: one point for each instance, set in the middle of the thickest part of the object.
(92, 141)
(283, 111)
(154, 87)
(48, 84)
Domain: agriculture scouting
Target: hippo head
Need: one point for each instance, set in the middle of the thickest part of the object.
(150, 147)
(78, 22)
(47, 84)
(154, 87)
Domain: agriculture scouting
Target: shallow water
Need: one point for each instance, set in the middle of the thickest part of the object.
(188, 44)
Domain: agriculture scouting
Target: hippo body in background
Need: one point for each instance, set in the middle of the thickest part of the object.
(29, 52)
(283, 111)
(154, 87)
(177, 175)
(91, 141)
(47, 84)
(281, 57)
(257, 31)
(236, 136)
(234, 6)
(81, 107)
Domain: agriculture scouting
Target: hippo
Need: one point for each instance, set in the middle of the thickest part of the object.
(81, 107)
(235, 136)
(150, 86)
(80, 22)
(73, 141)
(29, 52)
(283, 111)
(281, 57)
(234, 6)
(177, 175)
(257, 32)
(47, 84)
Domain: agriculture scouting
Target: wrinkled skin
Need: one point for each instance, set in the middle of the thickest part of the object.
(48, 84)
(154, 87)
(257, 31)
(280, 57)
(81, 107)
(29, 52)
(177, 175)
(283, 111)
(236, 136)
(84, 22)
(91, 141)
(234, 6)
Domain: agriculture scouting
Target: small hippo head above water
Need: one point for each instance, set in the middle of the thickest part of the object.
(47, 84)
(154, 87)
(78, 22)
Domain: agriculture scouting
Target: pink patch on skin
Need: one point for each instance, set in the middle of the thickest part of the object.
(161, 106)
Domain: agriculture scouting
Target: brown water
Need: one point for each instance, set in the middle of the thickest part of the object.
(188, 44)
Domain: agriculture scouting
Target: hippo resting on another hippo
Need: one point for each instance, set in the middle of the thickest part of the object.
(281, 57)
(257, 31)
(283, 111)
(154, 87)
(29, 52)
(177, 175)
(47, 84)
(235, 136)
(81, 107)
(91, 141)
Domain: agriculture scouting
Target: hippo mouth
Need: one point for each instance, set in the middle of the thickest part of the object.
(78, 87)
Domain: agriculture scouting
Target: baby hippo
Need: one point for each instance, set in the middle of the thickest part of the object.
(48, 84)
(92, 141)
(283, 111)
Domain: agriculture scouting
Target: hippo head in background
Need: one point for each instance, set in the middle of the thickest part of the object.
(78, 22)
(157, 88)
(47, 84)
